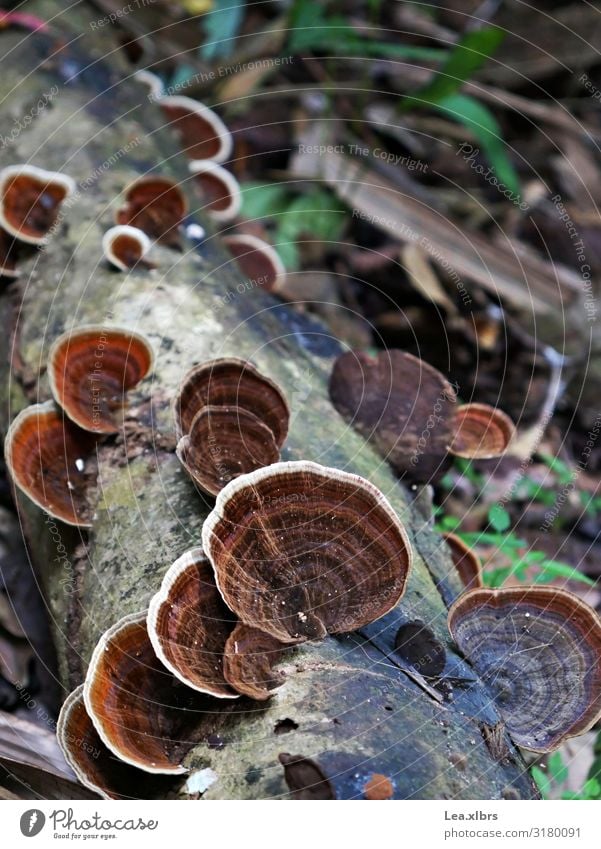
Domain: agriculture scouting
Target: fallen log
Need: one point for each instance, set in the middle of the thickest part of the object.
(349, 708)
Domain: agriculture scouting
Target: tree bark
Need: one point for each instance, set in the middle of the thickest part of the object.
(354, 711)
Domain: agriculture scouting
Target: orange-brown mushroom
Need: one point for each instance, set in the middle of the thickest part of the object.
(46, 454)
(481, 432)
(91, 368)
(189, 624)
(141, 712)
(466, 562)
(257, 259)
(249, 661)
(224, 443)
(200, 131)
(93, 763)
(125, 246)
(401, 404)
(218, 189)
(156, 205)
(300, 550)
(30, 201)
(231, 382)
(539, 651)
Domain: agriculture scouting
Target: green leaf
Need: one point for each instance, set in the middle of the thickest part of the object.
(317, 214)
(311, 29)
(557, 769)
(542, 781)
(463, 61)
(591, 789)
(551, 569)
(222, 25)
(485, 128)
(499, 518)
(261, 200)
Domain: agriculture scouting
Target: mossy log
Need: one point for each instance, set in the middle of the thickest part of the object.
(347, 705)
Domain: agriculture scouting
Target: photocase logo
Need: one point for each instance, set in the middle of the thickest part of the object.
(32, 822)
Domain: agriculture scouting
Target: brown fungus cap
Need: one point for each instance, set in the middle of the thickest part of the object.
(301, 550)
(200, 131)
(257, 259)
(249, 660)
(93, 763)
(224, 443)
(188, 625)
(218, 189)
(401, 404)
(481, 432)
(45, 455)
(539, 651)
(91, 368)
(231, 382)
(466, 562)
(30, 201)
(125, 246)
(156, 205)
(134, 702)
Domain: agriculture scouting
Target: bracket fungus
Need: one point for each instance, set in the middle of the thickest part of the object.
(224, 443)
(200, 131)
(30, 201)
(156, 205)
(125, 246)
(231, 382)
(300, 550)
(257, 259)
(401, 404)
(466, 562)
(92, 762)
(218, 188)
(188, 625)
(249, 659)
(539, 651)
(481, 432)
(133, 700)
(90, 370)
(45, 455)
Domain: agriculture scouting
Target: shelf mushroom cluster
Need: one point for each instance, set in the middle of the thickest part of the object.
(409, 411)
(90, 370)
(230, 419)
(30, 204)
(291, 553)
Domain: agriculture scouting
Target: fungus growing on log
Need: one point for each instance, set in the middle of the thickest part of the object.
(137, 707)
(156, 205)
(481, 432)
(466, 562)
(401, 404)
(189, 624)
(200, 131)
(218, 189)
(224, 443)
(45, 455)
(231, 382)
(300, 550)
(90, 370)
(249, 660)
(538, 649)
(257, 260)
(93, 763)
(30, 201)
(125, 246)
